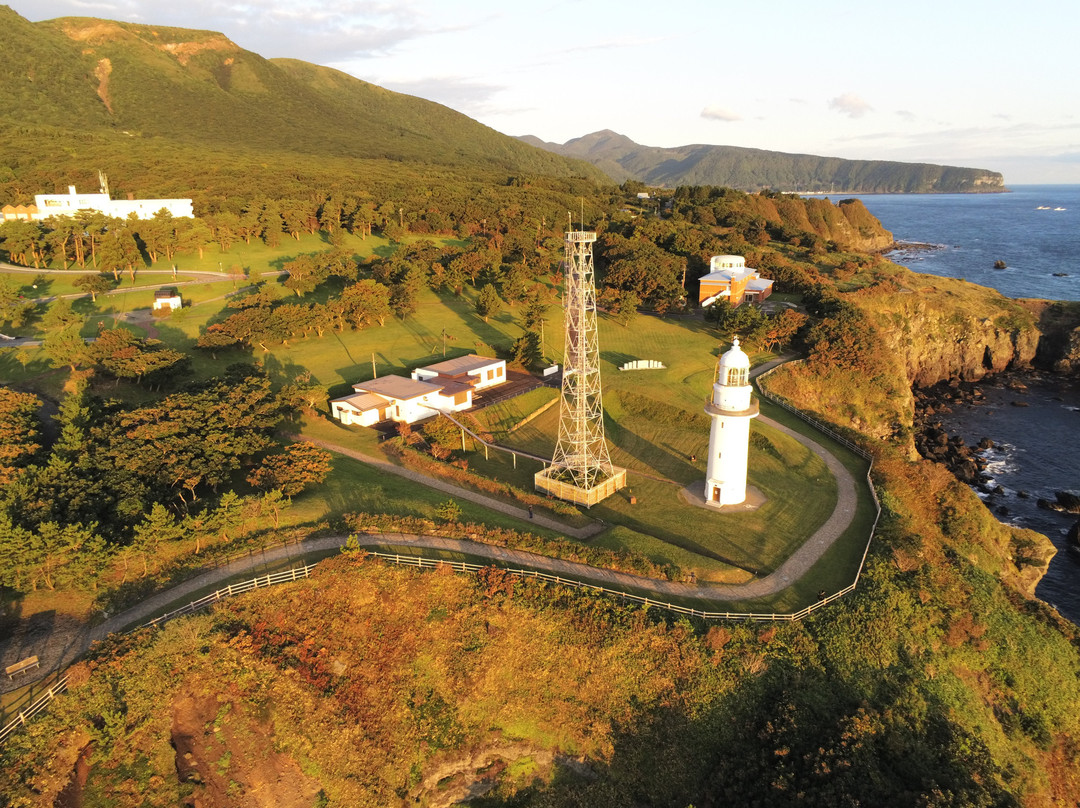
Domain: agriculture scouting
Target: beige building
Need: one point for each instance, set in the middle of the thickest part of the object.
(443, 387)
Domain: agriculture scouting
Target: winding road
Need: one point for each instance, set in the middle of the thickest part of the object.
(58, 644)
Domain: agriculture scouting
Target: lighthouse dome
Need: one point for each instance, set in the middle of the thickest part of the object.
(734, 364)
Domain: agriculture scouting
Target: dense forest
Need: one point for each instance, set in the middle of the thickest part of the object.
(939, 681)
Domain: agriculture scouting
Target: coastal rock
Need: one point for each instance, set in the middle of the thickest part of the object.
(1069, 502)
(936, 343)
(1069, 359)
(1059, 322)
(1073, 536)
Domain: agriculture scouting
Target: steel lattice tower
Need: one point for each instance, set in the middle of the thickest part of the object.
(581, 469)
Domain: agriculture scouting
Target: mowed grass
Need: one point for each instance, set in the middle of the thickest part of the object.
(799, 492)
(652, 438)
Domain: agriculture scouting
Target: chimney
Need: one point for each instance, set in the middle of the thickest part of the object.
(71, 190)
(131, 196)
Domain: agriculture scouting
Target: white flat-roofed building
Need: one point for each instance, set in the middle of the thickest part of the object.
(477, 371)
(361, 409)
(443, 387)
(167, 299)
(72, 202)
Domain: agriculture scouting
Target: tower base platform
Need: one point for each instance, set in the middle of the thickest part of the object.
(546, 483)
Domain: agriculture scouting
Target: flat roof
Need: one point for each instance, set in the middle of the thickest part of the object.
(725, 275)
(463, 364)
(453, 388)
(362, 401)
(398, 387)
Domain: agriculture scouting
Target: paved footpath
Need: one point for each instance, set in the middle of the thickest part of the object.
(457, 491)
(59, 644)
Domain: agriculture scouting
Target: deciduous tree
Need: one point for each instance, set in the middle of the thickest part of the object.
(300, 466)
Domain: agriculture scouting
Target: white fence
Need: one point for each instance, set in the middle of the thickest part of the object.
(421, 562)
(643, 364)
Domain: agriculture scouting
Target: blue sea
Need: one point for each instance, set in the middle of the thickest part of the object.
(1035, 230)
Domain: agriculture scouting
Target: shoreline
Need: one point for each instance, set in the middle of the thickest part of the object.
(955, 424)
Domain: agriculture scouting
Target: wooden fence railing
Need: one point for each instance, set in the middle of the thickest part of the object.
(854, 447)
(421, 562)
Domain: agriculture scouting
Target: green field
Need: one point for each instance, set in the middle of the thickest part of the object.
(654, 420)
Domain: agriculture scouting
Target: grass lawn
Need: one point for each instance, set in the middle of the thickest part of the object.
(654, 418)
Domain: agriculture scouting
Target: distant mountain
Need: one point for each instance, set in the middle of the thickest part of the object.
(96, 78)
(755, 169)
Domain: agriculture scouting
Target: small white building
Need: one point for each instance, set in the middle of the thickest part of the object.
(167, 299)
(729, 277)
(444, 387)
(731, 409)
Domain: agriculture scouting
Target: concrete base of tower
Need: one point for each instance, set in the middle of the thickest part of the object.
(548, 482)
(693, 495)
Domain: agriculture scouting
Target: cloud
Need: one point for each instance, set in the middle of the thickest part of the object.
(850, 104)
(906, 115)
(715, 113)
(314, 30)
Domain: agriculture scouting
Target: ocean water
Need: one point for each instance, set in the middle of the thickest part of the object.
(1039, 243)
(1038, 445)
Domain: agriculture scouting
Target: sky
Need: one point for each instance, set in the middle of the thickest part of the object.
(976, 83)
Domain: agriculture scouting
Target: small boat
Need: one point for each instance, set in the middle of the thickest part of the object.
(1043, 207)
(1059, 208)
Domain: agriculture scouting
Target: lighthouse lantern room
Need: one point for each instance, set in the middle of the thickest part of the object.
(731, 408)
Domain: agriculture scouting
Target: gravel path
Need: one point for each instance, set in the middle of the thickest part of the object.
(457, 491)
(59, 642)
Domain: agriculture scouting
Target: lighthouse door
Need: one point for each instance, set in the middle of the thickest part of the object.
(716, 493)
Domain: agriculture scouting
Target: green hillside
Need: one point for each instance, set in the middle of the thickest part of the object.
(756, 169)
(85, 77)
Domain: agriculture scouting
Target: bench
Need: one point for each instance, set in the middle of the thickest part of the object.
(21, 666)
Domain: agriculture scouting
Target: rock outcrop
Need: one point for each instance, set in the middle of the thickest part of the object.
(847, 223)
(1059, 322)
(936, 337)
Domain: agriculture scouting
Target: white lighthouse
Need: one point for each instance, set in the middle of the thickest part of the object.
(731, 409)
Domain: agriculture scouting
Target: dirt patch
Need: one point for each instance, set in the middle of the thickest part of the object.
(227, 757)
(97, 32)
(72, 795)
(102, 73)
(183, 51)
(452, 780)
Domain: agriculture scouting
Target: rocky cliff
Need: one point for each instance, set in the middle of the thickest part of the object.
(1059, 322)
(848, 223)
(941, 328)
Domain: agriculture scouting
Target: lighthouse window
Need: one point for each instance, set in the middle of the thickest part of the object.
(738, 377)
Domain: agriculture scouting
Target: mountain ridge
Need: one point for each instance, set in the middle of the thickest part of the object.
(92, 76)
(749, 169)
